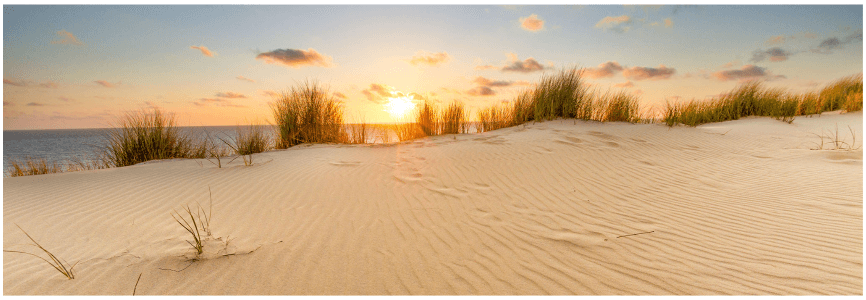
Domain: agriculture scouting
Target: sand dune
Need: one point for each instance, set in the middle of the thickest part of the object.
(561, 207)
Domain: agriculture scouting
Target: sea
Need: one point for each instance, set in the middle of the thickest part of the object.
(65, 146)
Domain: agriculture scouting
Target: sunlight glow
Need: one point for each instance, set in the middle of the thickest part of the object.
(398, 107)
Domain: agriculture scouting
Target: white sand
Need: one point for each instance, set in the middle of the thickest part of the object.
(740, 207)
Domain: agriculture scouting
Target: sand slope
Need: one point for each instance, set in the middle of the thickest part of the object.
(562, 207)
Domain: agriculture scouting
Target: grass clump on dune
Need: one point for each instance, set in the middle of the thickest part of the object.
(32, 166)
(308, 113)
(613, 107)
(452, 119)
(142, 136)
(249, 140)
(559, 95)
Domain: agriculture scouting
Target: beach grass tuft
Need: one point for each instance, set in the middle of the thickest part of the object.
(56, 263)
(559, 95)
(452, 119)
(141, 136)
(308, 113)
(198, 223)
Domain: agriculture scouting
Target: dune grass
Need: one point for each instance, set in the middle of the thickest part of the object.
(754, 99)
(33, 166)
(147, 135)
(427, 118)
(56, 263)
(618, 106)
(495, 117)
(308, 113)
(452, 119)
(559, 95)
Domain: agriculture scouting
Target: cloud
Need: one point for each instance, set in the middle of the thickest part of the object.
(49, 85)
(776, 40)
(810, 35)
(296, 58)
(13, 83)
(204, 50)
(64, 99)
(21, 83)
(378, 92)
(67, 38)
(35, 104)
(532, 23)
(430, 59)
(641, 73)
(215, 102)
(245, 79)
(836, 43)
(106, 83)
(232, 95)
(340, 95)
(747, 72)
(775, 54)
(527, 66)
(8, 103)
(270, 93)
(617, 24)
(486, 67)
(481, 91)
(603, 70)
(481, 81)
(626, 84)
(731, 64)
(669, 23)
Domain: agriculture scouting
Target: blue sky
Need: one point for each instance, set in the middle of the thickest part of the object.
(80, 66)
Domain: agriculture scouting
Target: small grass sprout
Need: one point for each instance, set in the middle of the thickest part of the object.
(56, 263)
(198, 223)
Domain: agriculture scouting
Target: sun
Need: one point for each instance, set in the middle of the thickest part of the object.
(398, 107)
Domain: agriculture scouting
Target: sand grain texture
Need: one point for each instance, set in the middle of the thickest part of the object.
(561, 207)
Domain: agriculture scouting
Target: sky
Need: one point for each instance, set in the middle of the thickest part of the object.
(84, 66)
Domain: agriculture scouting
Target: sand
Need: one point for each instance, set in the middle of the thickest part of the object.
(563, 207)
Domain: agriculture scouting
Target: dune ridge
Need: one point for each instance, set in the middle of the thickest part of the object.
(560, 207)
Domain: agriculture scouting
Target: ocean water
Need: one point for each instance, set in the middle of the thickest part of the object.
(65, 145)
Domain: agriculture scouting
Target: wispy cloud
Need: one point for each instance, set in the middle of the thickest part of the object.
(49, 85)
(64, 99)
(776, 40)
(618, 24)
(245, 79)
(641, 73)
(377, 93)
(532, 23)
(270, 93)
(747, 72)
(296, 58)
(486, 67)
(836, 43)
(481, 91)
(603, 70)
(430, 59)
(732, 63)
(13, 83)
(35, 104)
(528, 65)
(481, 81)
(6, 103)
(231, 95)
(669, 23)
(626, 84)
(67, 38)
(21, 83)
(215, 102)
(340, 95)
(775, 54)
(204, 50)
(106, 83)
